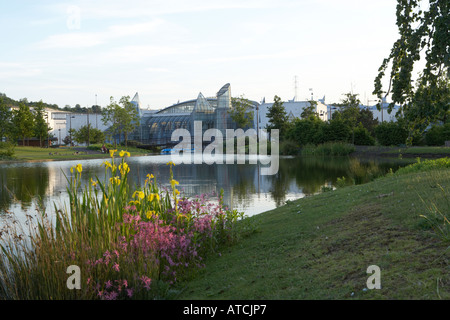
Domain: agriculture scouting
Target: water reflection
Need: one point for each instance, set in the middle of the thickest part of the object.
(244, 187)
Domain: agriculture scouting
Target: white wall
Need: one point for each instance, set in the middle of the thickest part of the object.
(293, 108)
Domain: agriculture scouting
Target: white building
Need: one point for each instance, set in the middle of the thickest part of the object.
(77, 120)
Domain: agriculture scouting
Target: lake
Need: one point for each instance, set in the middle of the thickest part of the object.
(25, 184)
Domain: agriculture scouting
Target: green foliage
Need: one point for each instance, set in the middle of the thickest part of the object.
(277, 117)
(426, 165)
(421, 32)
(94, 135)
(337, 130)
(241, 112)
(5, 118)
(123, 116)
(41, 127)
(289, 148)
(437, 215)
(437, 135)
(23, 122)
(310, 110)
(391, 133)
(363, 137)
(6, 150)
(306, 131)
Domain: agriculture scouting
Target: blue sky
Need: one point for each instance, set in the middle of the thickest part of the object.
(70, 52)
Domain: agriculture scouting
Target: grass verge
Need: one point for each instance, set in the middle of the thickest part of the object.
(320, 247)
(63, 153)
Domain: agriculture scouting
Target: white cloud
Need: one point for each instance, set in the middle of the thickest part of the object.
(15, 70)
(91, 39)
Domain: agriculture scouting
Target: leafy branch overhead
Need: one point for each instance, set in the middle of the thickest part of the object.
(424, 32)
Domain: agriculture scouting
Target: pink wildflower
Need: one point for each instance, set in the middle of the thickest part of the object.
(130, 293)
(108, 284)
(146, 280)
(116, 267)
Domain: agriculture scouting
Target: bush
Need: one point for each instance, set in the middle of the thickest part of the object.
(337, 130)
(289, 148)
(437, 135)
(6, 150)
(306, 131)
(442, 163)
(363, 137)
(391, 133)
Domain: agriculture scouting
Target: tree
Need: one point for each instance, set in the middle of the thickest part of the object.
(85, 135)
(41, 127)
(350, 111)
(129, 117)
(5, 119)
(242, 111)
(310, 110)
(23, 122)
(420, 31)
(96, 109)
(277, 116)
(123, 117)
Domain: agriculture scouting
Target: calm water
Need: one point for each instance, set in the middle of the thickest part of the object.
(245, 189)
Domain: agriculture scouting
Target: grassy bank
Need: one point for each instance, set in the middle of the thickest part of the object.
(402, 152)
(63, 153)
(320, 247)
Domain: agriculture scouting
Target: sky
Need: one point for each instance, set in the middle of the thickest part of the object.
(84, 52)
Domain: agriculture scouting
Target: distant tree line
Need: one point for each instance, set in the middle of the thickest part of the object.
(349, 123)
(23, 122)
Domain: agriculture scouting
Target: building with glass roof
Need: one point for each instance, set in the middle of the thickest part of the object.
(156, 128)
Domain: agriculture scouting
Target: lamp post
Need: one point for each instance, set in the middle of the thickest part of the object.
(59, 141)
(48, 135)
(89, 138)
(70, 129)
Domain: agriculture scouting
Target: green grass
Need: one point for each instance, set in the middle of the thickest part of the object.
(421, 150)
(320, 247)
(63, 153)
(328, 149)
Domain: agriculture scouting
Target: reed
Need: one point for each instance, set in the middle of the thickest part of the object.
(128, 243)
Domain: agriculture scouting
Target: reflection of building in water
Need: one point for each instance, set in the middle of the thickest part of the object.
(56, 179)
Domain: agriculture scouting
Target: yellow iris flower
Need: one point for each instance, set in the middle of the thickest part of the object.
(140, 194)
(124, 153)
(114, 180)
(111, 152)
(173, 183)
(124, 168)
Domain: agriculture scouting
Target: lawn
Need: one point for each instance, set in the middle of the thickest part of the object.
(320, 247)
(65, 153)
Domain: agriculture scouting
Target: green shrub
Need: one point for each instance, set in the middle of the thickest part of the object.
(337, 130)
(363, 137)
(430, 164)
(306, 131)
(437, 135)
(289, 148)
(391, 133)
(6, 150)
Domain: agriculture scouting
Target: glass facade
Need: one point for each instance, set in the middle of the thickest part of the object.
(157, 128)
